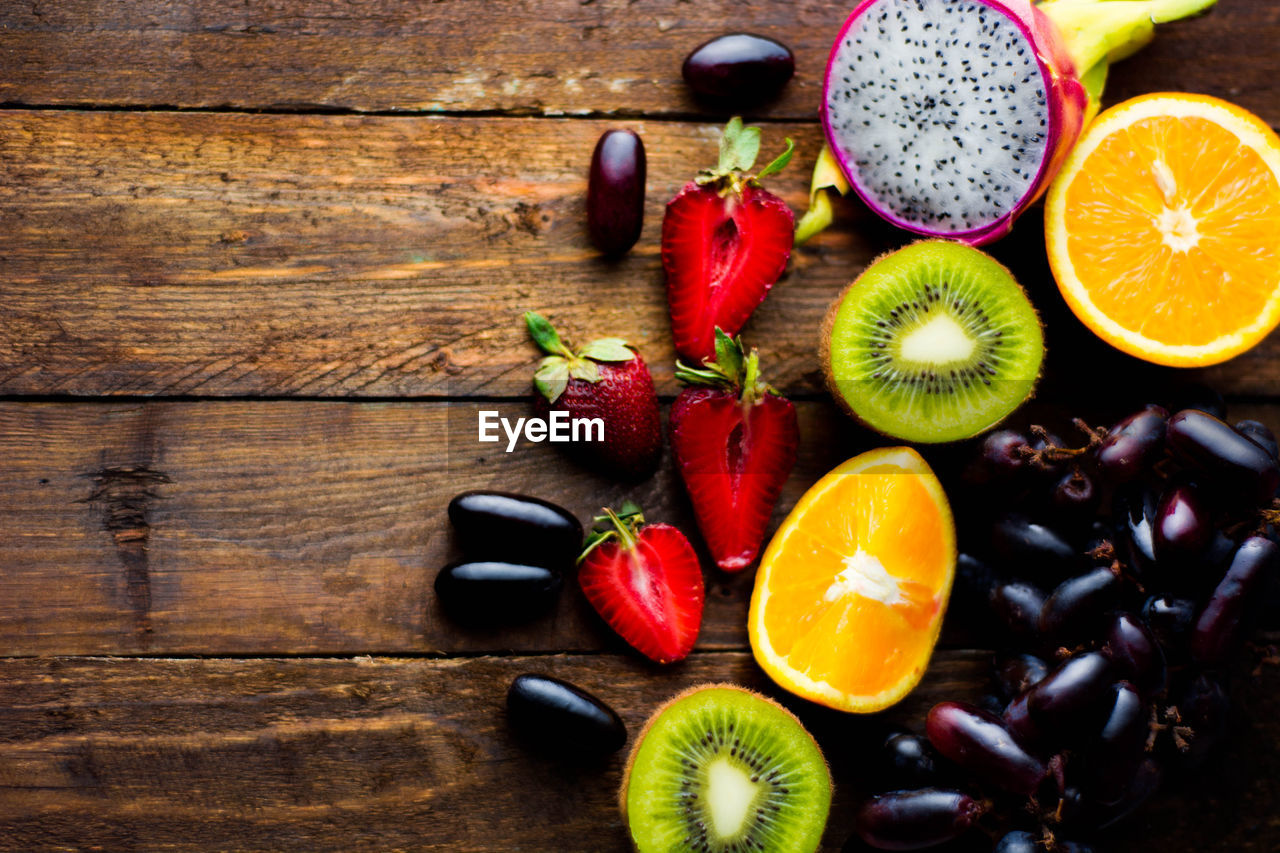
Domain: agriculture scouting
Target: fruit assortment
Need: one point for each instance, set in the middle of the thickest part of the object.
(1122, 574)
(1116, 627)
(950, 117)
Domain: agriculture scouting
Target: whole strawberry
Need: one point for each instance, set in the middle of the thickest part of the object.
(645, 581)
(735, 441)
(606, 379)
(725, 241)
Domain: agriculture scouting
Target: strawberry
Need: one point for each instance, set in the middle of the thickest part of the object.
(725, 241)
(735, 443)
(606, 379)
(645, 581)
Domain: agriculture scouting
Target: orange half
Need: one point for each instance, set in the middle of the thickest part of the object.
(1163, 229)
(851, 591)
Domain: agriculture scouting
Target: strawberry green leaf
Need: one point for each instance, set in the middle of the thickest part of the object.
(607, 349)
(739, 147)
(544, 334)
(780, 162)
(552, 377)
(584, 370)
(728, 355)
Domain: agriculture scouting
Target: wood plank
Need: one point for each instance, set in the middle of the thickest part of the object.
(238, 527)
(170, 253)
(538, 56)
(384, 754)
(190, 253)
(291, 527)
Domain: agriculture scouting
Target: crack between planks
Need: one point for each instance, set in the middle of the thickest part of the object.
(328, 110)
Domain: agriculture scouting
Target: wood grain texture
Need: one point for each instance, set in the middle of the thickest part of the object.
(550, 57)
(191, 253)
(167, 253)
(381, 754)
(293, 527)
(278, 527)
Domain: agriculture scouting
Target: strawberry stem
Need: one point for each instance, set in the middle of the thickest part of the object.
(739, 148)
(732, 368)
(622, 525)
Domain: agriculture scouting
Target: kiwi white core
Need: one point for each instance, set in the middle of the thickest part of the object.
(730, 795)
(939, 341)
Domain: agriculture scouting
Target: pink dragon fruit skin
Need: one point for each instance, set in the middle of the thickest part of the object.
(1066, 104)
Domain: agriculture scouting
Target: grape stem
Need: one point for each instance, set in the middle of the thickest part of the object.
(1050, 454)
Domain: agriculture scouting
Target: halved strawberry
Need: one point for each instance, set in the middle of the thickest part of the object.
(735, 441)
(645, 581)
(725, 241)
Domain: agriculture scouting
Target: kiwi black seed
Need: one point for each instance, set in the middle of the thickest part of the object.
(719, 769)
(934, 342)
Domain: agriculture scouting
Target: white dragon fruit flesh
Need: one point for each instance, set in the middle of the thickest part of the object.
(950, 117)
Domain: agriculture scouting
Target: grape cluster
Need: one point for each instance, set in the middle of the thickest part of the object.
(1120, 578)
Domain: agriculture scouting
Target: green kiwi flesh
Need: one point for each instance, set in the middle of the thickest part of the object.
(720, 769)
(934, 342)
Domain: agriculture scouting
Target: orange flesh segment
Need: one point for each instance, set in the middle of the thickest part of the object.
(1220, 200)
(880, 524)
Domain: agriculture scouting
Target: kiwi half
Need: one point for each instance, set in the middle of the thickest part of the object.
(719, 769)
(934, 342)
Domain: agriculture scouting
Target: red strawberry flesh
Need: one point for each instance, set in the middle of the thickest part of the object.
(722, 252)
(734, 459)
(650, 593)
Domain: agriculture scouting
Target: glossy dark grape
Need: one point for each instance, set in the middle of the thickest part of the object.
(491, 592)
(1137, 512)
(1212, 447)
(1261, 435)
(515, 528)
(1134, 652)
(980, 743)
(1078, 607)
(740, 67)
(907, 761)
(1071, 699)
(1019, 673)
(1017, 719)
(1170, 620)
(1122, 743)
(1018, 841)
(1205, 709)
(615, 192)
(915, 820)
(1226, 619)
(1075, 495)
(1132, 446)
(1028, 547)
(1000, 459)
(1182, 527)
(559, 718)
(1017, 607)
(970, 592)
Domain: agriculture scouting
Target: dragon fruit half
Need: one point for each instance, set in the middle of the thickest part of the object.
(950, 117)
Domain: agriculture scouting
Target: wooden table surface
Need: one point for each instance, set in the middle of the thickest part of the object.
(260, 266)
